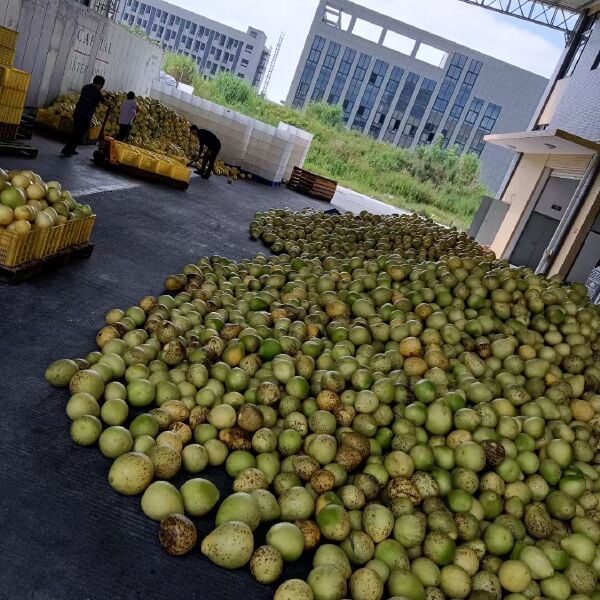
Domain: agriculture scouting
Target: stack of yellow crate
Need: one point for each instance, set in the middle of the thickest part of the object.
(14, 85)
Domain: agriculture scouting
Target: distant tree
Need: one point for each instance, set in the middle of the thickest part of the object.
(182, 68)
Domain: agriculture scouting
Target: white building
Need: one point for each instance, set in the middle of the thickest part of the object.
(215, 47)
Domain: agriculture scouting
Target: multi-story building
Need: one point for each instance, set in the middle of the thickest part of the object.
(215, 47)
(406, 86)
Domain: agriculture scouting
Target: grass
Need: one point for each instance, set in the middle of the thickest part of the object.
(432, 181)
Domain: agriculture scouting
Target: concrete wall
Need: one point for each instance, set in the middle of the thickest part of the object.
(64, 44)
(517, 91)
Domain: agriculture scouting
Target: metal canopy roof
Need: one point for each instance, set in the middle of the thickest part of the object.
(544, 142)
(563, 15)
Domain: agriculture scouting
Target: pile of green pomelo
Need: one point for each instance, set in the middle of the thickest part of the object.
(392, 403)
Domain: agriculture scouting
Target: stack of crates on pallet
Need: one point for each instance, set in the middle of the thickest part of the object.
(14, 85)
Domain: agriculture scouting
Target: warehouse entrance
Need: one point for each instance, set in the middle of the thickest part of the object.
(544, 219)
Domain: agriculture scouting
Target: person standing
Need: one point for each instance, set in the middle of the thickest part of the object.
(211, 145)
(127, 115)
(86, 106)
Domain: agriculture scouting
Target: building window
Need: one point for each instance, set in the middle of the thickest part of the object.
(325, 73)
(461, 100)
(462, 137)
(386, 101)
(177, 20)
(218, 55)
(342, 75)
(213, 69)
(244, 62)
(193, 29)
(213, 50)
(202, 46)
(355, 84)
(371, 92)
(196, 46)
(443, 98)
(229, 43)
(401, 105)
(253, 34)
(416, 113)
(248, 49)
(188, 44)
(200, 31)
(308, 72)
(240, 75)
(492, 112)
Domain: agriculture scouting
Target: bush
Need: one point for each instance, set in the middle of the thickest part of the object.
(182, 68)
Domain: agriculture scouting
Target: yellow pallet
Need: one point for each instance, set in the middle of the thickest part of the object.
(10, 115)
(7, 56)
(12, 97)
(8, 37)
(15, 79)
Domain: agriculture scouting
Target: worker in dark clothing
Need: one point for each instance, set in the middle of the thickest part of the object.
(211, 145)
(86, 106)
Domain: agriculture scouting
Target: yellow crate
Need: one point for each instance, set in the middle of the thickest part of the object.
(180, 173)
(126, 155)
(12, 97)
(7, 56)
(84, 231)
(8, 37)
(148, 163)
(17, 248)
(164, 167)
(15, 79)
(49, 241)
(10, 115)
(70, 233)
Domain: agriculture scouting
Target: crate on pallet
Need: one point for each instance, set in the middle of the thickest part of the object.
(18, 248)
(312, 185)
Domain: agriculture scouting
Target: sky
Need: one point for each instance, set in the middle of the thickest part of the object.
(528, 46)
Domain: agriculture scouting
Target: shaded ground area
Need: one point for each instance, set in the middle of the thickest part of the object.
(65, 533)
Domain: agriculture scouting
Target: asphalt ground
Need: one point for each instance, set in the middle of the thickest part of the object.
(64, 533)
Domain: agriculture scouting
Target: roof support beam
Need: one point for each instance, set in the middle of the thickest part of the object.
(541, 13)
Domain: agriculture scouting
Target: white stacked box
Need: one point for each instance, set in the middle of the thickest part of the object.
(301, 141)
(268, 152)
(258, 148)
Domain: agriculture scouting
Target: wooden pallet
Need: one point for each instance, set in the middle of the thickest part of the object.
(100, 160)
(8, 148)
(12, 275)
(310, 184)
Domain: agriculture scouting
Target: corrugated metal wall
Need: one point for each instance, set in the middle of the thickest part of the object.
(64, 44)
